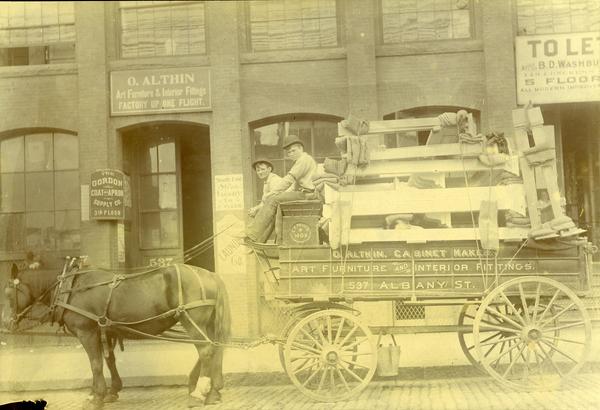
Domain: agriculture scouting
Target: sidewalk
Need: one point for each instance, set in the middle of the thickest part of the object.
(162, 363)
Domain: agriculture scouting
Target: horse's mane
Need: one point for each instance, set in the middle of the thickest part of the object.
(38, 279)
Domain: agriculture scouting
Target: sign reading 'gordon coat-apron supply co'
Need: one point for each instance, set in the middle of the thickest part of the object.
(160, 90)
(558, 68)
(107, 194)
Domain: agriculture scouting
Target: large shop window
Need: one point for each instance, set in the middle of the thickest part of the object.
(159, 223)
(426, 20)
(412, 138)
(39, 192)
(558, 16)
(318, 136)
(162, 28)
(293, 24)
(36, 32)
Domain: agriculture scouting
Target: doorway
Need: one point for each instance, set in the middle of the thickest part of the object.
(170, 169)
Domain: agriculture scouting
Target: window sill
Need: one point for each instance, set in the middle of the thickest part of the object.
(38, 70)
(282, 56)
(160, 62)
(429, 47)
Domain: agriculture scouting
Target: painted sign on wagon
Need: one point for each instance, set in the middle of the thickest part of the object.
(158, 91)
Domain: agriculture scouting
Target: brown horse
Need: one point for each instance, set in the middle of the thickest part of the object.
(128, 306)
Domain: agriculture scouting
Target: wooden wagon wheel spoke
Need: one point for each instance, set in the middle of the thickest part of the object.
(355, 344)
(322, 381)
(560, 339)
(347, 369)
(537, 301)
(312, 376)
(550, 303)
(512, 307)
(311, 337)
(354, 329)
(504, 317)
(516, 358)
(339, 331)
(549, 359)
(354, 363)
(306, 366)
(329, 331)
(319, 330)
(556, 316)
(509, 350)
(500, 328)
(496, 341)
(524, 303)
(343, 379)
(331, 379)
(304, 347)
(566, 326)
(355, 354)
(556, 349)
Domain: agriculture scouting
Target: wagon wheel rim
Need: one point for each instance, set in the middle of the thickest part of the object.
(330, 356)
(544, 343)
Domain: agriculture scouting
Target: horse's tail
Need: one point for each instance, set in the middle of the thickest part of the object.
(222, 317)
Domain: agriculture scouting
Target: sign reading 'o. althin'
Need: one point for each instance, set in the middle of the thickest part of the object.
(558, 68)
(160, 90)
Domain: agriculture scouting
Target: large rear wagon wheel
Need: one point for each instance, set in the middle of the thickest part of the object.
(330, 356)
(545, 328)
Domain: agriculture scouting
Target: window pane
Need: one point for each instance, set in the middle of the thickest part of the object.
(38, 152)
(150, 230)
(39, 191)
(67, 229)
(12, 232)
(179, 30)
(169, 229)
(149, 192)
(328, 32)
(166, 157)
(325, 134)
(40, 230)
(12, 192)
(149, 163)
(67, 194)
(66, 151)
(167, 194)
(11, 155)
(145, 25)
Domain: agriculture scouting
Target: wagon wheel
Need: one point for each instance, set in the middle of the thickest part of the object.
(543, 343)
(465, 333)
(330, 356)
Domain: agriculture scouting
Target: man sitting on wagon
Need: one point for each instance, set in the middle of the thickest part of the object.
(296, 185)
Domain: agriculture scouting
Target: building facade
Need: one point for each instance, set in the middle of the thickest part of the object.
(178, 98)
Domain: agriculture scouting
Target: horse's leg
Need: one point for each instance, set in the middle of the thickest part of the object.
(90, 340)
(115, 380)
(216, 376)
(194, 374)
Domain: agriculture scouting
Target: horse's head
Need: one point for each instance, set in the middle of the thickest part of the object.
(19, 297)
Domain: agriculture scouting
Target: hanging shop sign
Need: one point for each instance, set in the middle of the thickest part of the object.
(558, 68)
(107, 194)
(160, 90)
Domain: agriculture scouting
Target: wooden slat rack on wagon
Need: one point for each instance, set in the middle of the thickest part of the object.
(466, 219)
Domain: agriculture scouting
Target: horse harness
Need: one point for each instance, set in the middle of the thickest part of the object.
(65, 289)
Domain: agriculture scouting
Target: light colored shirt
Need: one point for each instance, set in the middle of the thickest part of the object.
(301, 174)
(271, 186)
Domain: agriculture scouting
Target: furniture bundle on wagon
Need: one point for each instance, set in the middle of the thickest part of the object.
(466, 219)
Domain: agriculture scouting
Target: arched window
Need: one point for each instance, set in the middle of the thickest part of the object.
(406, 139)
(318, 132)
(39, 192)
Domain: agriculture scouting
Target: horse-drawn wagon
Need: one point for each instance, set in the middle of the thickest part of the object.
(465, 220)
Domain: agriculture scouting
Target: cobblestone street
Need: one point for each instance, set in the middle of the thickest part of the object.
(462, 393)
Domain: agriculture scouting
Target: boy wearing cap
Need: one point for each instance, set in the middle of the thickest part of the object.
(297, 182)
(272, 183)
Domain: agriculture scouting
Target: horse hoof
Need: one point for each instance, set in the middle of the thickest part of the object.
(92, 404)
(195, 402)
(111, 397)
(213, 398)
